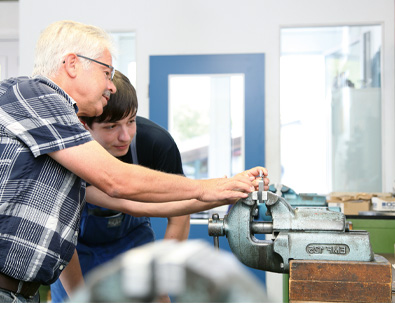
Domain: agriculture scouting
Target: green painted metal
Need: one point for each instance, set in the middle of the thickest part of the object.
(382, 233)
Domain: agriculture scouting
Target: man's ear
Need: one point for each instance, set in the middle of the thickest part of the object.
(70, 64)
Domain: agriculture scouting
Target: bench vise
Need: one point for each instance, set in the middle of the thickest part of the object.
(302, 233)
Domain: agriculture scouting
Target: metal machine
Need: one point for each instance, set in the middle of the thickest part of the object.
(305, 233)
(188, 271)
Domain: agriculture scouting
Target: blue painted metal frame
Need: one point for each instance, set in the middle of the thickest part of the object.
(253, 68)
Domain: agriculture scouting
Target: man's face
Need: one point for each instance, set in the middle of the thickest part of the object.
(115, 137)
(94, 87)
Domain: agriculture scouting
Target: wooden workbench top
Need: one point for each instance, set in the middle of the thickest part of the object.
(340, 281)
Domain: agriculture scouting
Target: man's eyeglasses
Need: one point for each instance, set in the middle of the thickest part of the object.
(110, 77)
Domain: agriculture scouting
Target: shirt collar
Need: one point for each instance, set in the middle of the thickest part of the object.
(59, 90)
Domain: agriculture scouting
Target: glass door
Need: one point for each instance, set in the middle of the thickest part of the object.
(206, 119)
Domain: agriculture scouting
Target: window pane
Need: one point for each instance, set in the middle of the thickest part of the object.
(125, 60)
(206, 119)
(331, 108)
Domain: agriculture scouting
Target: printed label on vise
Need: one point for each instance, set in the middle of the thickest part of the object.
(338, 249)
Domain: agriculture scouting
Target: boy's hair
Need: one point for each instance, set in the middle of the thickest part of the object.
(122, 103)
(64, 37)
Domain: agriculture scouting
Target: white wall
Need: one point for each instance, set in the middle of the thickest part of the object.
(9, 20)
(221, 26)
(9, 34)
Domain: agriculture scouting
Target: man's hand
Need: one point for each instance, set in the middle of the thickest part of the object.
(258, 173)
(233, 188)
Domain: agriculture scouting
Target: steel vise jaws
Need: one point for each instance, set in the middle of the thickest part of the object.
(303, 233)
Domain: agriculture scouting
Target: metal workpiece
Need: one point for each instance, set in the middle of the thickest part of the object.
(296, 233)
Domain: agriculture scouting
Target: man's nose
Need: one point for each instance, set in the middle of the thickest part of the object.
(111, 87)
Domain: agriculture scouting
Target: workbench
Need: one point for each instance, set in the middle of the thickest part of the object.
(341, 281)
(382, 236)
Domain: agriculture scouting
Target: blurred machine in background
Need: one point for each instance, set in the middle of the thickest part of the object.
(189, 271)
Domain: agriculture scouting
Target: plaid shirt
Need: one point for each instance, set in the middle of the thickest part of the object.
(40, 201)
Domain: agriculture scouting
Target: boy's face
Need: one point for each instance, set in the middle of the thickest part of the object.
(115, 137)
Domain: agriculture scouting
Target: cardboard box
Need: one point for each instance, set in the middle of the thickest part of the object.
(351, 203)
(383, 204)
(358, 195)
(351, 207)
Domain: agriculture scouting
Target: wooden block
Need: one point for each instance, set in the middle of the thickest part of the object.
(340, 281)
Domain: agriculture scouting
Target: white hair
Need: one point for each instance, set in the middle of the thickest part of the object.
(64, 37)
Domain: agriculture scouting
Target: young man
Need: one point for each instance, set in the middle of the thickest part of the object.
(106, 233)
(46, 155)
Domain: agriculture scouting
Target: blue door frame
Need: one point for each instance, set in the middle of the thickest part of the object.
(253, 68)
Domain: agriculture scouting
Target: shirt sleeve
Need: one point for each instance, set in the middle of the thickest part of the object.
(42, 119)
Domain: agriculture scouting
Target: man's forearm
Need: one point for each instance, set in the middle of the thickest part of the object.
(95, 165)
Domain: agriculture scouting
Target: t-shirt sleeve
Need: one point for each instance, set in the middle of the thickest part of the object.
(168, 157)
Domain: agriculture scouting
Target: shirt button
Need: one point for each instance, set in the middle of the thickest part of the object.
(61, 267)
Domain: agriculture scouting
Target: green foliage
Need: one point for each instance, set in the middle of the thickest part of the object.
(190, 123)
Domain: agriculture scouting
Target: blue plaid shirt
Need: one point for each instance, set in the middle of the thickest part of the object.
(40, 201)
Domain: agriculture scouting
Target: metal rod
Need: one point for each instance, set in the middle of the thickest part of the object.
(258, 227)
(216, 243)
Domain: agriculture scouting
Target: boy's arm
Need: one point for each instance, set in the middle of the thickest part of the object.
(178, 228)
(71, 276)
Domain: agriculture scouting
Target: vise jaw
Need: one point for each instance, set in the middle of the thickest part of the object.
(303, 233)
